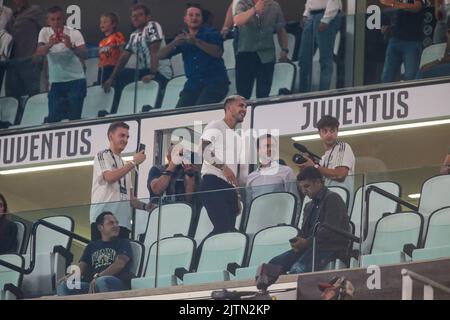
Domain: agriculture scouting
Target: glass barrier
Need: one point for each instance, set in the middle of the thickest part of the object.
(354, 50)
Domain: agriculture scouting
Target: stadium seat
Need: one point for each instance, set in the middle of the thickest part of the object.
(50, 265)
(91, 71)
(147, 94)
(36, 110)
(177, 65)
(10, 280)
(283, 80)
(392, 233)
(21, 234)
(138, 253)
(8, 109)
(232, 77)
(218, 252)
(267, 244)
(175, 219)
(291, 45)
(437, 240)
(269, 210)
(432, 53)
(2, 89)
(229, 56)
(97, 100)
(174, 253)
(172, 94)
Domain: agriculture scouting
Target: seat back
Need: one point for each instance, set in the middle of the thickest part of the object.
(21, 234)
(173, 253)
(221, 249)
(283, 78)
(204, 226)
(302, 212)
(97, 100)
(36, 109)
(269, 243)
(172, 94)
(432, 53)
(138, 253)
(47, 239)
(229, 56)
(8, 109)
(232, 77)
(435, 195)
(91, 71)
(177, 65)
(438, 233)
(147, 94)
(393, 231)
(8, 276)
(270, 210)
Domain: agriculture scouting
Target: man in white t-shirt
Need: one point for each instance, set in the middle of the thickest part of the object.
(338, 162)
(65, 50)
(221, 149)
(111, 182)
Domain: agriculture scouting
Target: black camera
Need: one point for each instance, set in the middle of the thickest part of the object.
(298, 159)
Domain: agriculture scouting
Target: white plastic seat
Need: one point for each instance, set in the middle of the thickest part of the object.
(217, 253)
(10, 277)
(172, 93)
(97, 100)
(36, 110)
(21, 234)
(432, 53)
(138, 253)
(8, 109)
(177, 65)
(291, 45)
(174, 253)
(229, 56)
(147, 94)
(91, 71)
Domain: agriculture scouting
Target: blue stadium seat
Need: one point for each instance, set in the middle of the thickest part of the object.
(97, 100)
(10, 277)
(147, 94)
(8, 109)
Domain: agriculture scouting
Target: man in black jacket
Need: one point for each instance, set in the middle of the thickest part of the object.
(325, 207)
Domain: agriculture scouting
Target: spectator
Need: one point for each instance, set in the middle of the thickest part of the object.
(6, 16)
(23, 77)
(65, 50)
(338, 162)
(445, 169)
(110, 48)
(228, 23)
(439, 67)
(145, 44)
(442, 13)
(325, 207)
(255, 60)
(8, 230)
(405, 44)
(178, 177)
(321, 22)
(111, 182)
(104, 265)
(270, 176)
(202, 50)
(221, 148)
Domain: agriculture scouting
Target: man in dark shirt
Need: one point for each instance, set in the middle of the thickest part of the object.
(405, 45)
(325, 207)
(202, 50)
(104, 265)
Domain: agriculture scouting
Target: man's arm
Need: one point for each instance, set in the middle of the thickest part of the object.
(124, 57)
(243, 17)
(159, 185)
(283, 41)
(411, 7)
(228, 23)
(112, 176)
(154, 58)
(227, 172)
(338, 174)
(117, 266)
(445, 169)
(211, 49)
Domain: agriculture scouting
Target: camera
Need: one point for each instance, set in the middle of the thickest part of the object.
(298, 159)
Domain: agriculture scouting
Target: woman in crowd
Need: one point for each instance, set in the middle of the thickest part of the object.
(8, 230)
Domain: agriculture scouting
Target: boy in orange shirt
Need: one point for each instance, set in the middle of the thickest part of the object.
(110, 48)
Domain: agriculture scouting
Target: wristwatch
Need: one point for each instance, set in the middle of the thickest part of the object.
(285, 50)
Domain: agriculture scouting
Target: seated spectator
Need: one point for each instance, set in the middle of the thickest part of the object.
(110, 48)
(270, 176)
(178, 177)
(439, 67)
(325, 207)
(6, 41)
(104, 265)
(8, 230)
(202, 50)
(445, 169)
(405, 44)
(65, 50)
(442, 13)
(144, 43)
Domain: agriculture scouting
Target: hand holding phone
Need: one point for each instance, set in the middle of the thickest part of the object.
(141, 148)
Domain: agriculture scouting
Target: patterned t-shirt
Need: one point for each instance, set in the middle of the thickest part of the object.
(109, 49)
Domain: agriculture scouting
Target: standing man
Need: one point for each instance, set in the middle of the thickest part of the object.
(321, 22)
(257, 20)
(23, 77)
(202, 50)
(442, 13)
(145, 43)
(405, 44)
(65, 50)
(6, 17)
(111, 182)
(221, 149)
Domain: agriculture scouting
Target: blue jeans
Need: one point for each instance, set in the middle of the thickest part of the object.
(398, 52)
(441, 70)
(311, 40)
(293, 262)
(65, 100)
(102, 284)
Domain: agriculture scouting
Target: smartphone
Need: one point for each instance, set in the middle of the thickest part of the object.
(59, 34)
(141, 147)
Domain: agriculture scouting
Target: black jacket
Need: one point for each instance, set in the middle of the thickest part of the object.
(8, 236)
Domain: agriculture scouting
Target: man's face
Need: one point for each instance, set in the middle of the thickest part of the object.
(119, 138)
(110, 227)
(55, 20)
(139, 19)
(20, 3)
(193, 18)
(310, 188)
(267, 149)
(238, 109)
(328, 135)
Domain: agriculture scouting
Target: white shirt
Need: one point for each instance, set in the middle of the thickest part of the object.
(106, 196)
(6, 15)
(63, 64)
(226, 145)
(331, 7)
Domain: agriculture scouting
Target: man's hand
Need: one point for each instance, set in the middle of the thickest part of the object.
(148, 78)
(260, 6)
(229, 175)
(107, 85)
(224, 32)
(179, 39)
(191, 39)
(139, 157)
(171, 166)
(188, 168)
(53, 40)
(323, 27)
(66, 40)
(299, 245)
(308, 163)
(92, 286)
(388, 3)
(283, 57)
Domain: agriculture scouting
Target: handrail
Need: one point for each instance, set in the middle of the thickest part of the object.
(33, 245)
(429, 285)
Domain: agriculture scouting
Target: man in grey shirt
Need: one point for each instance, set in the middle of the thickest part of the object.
(257, 20)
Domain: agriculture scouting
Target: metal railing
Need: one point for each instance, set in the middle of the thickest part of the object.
(428, 289)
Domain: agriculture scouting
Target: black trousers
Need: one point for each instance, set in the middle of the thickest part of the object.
(248, 69)
(95, 234)
(208, 94)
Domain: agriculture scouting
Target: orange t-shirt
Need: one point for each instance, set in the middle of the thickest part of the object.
(109, 51)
